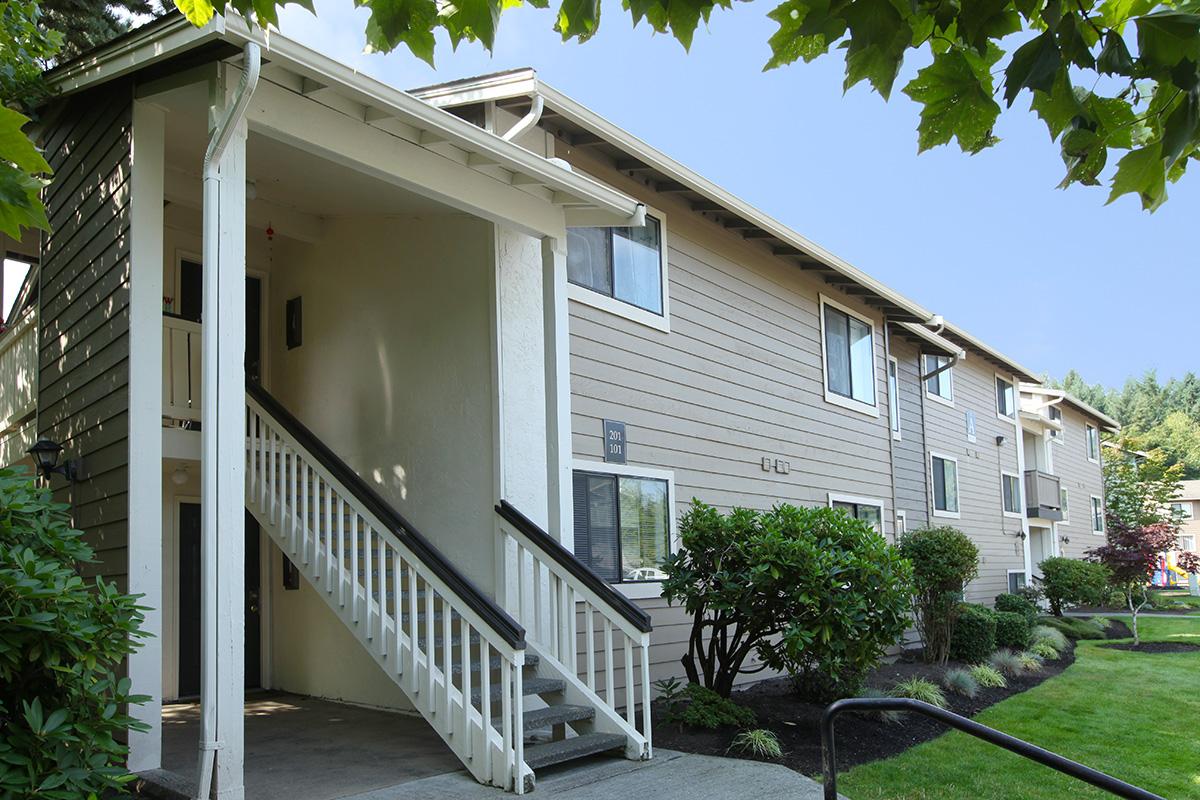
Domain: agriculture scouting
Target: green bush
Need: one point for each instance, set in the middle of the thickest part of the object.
(974, 633)
(61, 702)
(943, 560)
(1012, 630)
(698, 707)
(1045, 634)
(1066, 582)
(819, 595)
(1018, 604)
(1074, 627)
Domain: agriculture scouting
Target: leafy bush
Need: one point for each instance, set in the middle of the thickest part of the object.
(960, 681)
(1056, 639)
(1018, 604)
(887, 717)
(698, 707)
(920, 689)
(816, 593)
(61, 702)
(943, 560)
(974, 634)
(1066, 582)
(1007, 662)
(1012, 630)
(1030, 661)
(759, 743)
(1045, 650)
(1074, 627)
(988, 676)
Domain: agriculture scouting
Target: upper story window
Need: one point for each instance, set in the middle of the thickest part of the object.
(1006, 398)
(945, 486)
(1064, 498)
(894, 396)
(941, 385)
(849, 343)
(1097, 514)
(625, 264)
(622, 525)
(1010, 490)
(1055, 414)
(1093, 443)
(1184, 510)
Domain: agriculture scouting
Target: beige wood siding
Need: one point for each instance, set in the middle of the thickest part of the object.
(979, 466)
(739, 378)
(83, 399)
(908, 452)
(1082, 479)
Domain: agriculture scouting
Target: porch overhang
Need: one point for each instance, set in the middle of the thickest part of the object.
(930, 342)
(1050, 396)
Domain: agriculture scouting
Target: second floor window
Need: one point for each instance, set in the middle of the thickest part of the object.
(849, 355)
(1006, 399)
(1097, 515)
(894, 397)
(622, 525)
(940, 385)
(1010, 486)
(1184, 510)
(1063, 503)
(622, 263)
(1093, 443)
(945, 486)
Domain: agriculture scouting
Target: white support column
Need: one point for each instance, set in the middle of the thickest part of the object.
(558, 388)
(223, 428)
(1025, 532)
(145, 425)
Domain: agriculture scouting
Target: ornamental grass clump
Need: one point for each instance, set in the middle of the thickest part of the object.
(1030, 661)
(1044, 634)
(888, 716)
(943, 560)
(63, 704)
(759, 743)
(1007, 662)
(1045, 650)
(920, 689)
(960, 681)
(988, 676)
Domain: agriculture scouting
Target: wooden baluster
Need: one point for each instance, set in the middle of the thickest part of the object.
(524, 587)
(430, 648)
(368, 578)
(646, 693)
(251, 455)
(414, 644)
(448, 662)
(275, 484)
(485, 698)
(327, 527)
(590, 630)
(555, 635)
(537, 600)
(518, 716)
(506, 727)
(609, 694)
(464, 632)
(382, 582)
(299, 499)
(341, 529)
(354, 568)
(629, 709)
(397, 606)
(262, 465)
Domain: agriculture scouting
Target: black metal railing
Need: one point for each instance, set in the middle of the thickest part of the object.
(969, 726)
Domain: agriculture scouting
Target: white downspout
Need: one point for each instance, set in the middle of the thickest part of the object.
(217, 145)
(530, 119)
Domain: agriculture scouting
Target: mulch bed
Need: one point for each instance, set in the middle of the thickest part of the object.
(1156, 647)
(859, 739)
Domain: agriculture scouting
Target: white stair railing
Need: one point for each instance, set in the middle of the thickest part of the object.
(581, 627)
(432, 631)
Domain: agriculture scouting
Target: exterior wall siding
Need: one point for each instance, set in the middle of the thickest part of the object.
(739, 378)
(1082, 479)
(83, 363)
(908, 452)
(980, 464)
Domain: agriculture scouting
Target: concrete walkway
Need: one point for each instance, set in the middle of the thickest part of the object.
(669, 775)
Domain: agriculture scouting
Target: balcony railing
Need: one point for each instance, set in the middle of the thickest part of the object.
(1043, 498)
(181, 368)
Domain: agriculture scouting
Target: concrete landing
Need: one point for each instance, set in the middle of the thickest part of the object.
(669, 775)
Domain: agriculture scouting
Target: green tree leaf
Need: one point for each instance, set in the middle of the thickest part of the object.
(879, 37)
(1167, 37)
(1180, 129)
(791, 42)
(198, 12)
(1141, 172)
(1059, 106)
(956, 92)
(1034, 65)
(1114, 56)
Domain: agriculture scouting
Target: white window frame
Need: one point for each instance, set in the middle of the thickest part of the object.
(640, 590)
(1019, 513)
(619, 308)
(834, 497)
(1191, 544)
(1092, 512)
(957, 484)
(901, 523)
(1087, 442)
(1008, 578)
(1016, 399)
(948, 373)
(1060, 434)
(1185, 509)
(833, 397)
(893, 397)
(1066, 507)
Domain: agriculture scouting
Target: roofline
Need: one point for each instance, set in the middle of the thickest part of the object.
(945, 345)
(516, 83)
(1067, 397)
(1021, 372)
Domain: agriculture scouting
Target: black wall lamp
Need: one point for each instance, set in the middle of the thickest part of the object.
(45, 455)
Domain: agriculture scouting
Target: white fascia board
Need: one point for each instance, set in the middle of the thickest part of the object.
(1013, 366)
(944, 345)
(1072, 400)
(567, 186)
(141, 47)
(480, 89)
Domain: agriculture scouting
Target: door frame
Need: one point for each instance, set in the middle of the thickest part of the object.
(171, 605)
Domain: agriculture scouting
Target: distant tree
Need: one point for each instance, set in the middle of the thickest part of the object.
(85, 24)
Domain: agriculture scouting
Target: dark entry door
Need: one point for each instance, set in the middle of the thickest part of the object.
(189, 602)
(191, 291)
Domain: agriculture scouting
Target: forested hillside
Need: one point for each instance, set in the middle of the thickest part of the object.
(1153, 415)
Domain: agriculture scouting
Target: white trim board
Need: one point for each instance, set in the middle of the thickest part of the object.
(933, 494)
(832, 397)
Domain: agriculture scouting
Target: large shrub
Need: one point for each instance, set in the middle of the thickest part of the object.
(943, 560)
(1066, 582)
(974, 636)
(61, 702)
(1012, 630)
(816, 593)
(1018, 604)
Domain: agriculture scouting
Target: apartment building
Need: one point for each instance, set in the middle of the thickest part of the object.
(456, 361)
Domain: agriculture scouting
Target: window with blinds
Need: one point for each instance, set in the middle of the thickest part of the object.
(622, 525)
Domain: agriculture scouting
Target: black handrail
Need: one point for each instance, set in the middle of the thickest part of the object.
(968, 726)
(567, 560)
(496, 618)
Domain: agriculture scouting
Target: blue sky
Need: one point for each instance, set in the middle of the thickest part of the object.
(1054, 279)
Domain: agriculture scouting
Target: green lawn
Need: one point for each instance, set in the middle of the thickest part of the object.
(1180, 596)
(1132, 715)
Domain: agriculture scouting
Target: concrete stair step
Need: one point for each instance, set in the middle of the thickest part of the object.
(531, 662)
(543, 755)
(550, 716)
(529, 686)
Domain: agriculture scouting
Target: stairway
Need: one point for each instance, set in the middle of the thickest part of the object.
(505, 703)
